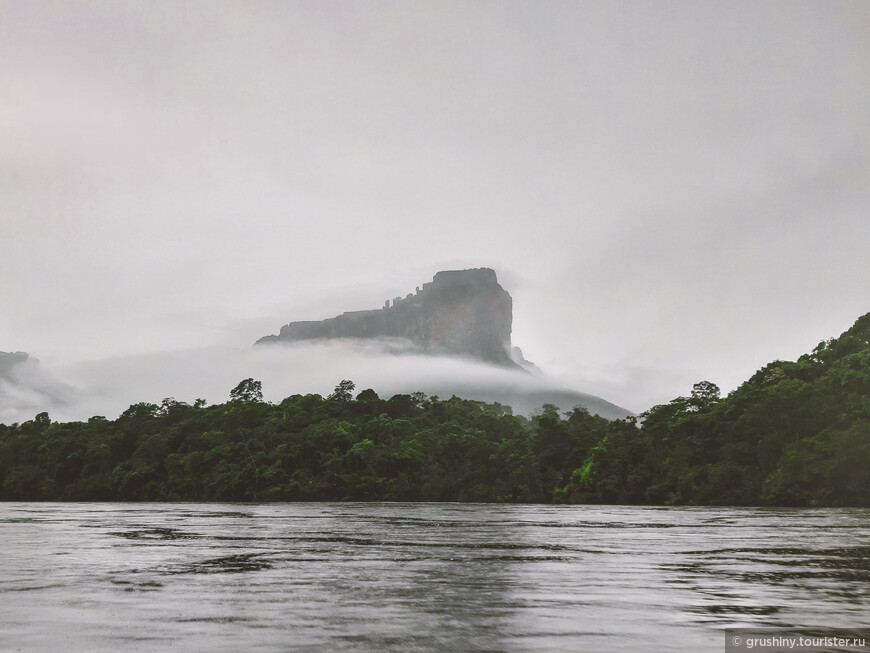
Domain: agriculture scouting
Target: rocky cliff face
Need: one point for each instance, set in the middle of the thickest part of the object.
(464, 312)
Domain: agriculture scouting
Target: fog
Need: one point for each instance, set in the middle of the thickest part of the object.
(107, 387)
(670, 191)
(27, 389)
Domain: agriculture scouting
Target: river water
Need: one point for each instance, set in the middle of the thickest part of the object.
(406, 577)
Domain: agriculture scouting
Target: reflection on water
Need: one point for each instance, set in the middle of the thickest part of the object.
(280, 577)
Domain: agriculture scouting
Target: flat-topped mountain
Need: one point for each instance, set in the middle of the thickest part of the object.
(460, 312)
(463, 313)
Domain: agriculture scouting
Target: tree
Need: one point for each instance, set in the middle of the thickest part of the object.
(343, 391)
(704, 394)
(247, 391)
(368, 396)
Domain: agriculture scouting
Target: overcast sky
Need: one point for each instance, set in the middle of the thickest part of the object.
(671, 191)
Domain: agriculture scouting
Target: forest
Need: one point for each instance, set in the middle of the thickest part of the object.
(794, 434)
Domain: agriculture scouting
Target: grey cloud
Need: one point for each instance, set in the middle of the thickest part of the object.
(663, 186)
(108, 386)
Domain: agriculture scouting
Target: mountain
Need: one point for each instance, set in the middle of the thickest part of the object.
(9, 360)
(25, 386)
(460, 312)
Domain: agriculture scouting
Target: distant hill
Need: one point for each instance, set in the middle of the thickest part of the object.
(525, 395)
(794, 434)
(25, 386)
(464, 313)
(9, 360)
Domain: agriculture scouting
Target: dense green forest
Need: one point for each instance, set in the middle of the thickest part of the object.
(795, 434)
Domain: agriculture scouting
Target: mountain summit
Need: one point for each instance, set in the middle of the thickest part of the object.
(460, 312)
(464, 313)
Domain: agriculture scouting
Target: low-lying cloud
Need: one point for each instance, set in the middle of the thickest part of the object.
(107, 387)
(26, 389)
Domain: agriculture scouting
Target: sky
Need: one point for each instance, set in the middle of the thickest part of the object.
(670, 191)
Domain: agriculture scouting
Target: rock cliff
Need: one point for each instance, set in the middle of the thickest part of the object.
(460, 312)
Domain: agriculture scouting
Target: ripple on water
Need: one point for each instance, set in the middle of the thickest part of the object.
(405, 577)
(230, 564)
(152, 534)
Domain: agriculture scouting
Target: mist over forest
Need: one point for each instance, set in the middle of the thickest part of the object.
(107, 387)
(794, 434)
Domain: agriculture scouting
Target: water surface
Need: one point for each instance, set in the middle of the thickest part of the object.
(405, 577)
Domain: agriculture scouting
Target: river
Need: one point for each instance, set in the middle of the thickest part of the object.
(421, 577)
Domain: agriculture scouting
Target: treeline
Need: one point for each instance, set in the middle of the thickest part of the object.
(795, 434)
